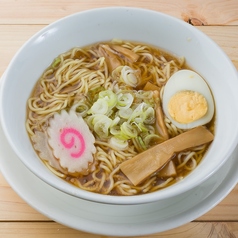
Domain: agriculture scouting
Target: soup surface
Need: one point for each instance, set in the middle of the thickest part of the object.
(95, 107)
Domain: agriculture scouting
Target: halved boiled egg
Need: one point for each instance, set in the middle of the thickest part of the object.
(187, 100)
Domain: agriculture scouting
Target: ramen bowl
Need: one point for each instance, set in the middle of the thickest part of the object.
(137, 25)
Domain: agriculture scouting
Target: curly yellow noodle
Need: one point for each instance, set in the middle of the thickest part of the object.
(188, 157)
(148, 185)
(111, 181)
(113, 158)
(104, 160)
(146, 56)
(54, 171)
(192, 165)
(162, 185)
(29, 128)
(126, 190)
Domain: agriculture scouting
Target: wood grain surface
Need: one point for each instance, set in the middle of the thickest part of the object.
(20, 19)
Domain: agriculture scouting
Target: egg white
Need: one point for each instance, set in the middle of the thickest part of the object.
(188, 80)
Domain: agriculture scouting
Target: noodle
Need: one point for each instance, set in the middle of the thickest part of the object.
(81, 73)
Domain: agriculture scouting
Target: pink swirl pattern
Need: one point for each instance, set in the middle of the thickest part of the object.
(71, 141)
(73, 134)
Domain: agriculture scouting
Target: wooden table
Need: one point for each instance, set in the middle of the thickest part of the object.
(20, 19)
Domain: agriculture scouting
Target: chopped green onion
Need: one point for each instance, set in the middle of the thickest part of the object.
(101, 126)
(118, 143)
(125, 113)
(152, 138)
(128, 76)
(115, 130)
(128, 130)
(89, 120)
(99, 107)
(124, 100)
(149, 115)
(137, 111)
(115, 121)
(81, 109)
(56, 62)
(110, 97)
(139, 144)
(141, 127)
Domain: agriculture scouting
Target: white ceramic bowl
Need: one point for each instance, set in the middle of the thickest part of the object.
(140, 25)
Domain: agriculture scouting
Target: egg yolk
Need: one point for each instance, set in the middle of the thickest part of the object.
(187, 106)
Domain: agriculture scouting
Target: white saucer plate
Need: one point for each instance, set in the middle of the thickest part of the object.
(116, 220)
